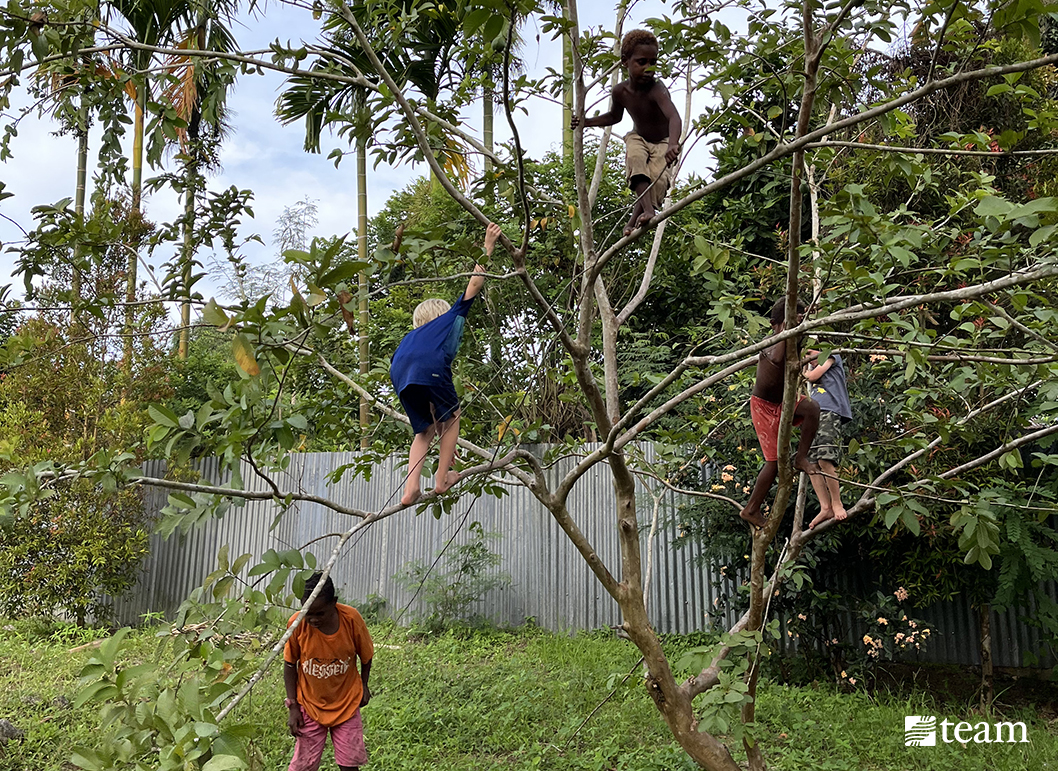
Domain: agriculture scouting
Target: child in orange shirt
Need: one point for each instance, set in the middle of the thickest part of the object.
(324, 690)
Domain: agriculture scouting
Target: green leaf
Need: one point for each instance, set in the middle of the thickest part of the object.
(473, 20)
(220, 591)
(213, 314)
(163, 415)
(493, 27)
(87, 759)
(1042, 235)
(343, 272)
(911, 521)
(223, 763)
(316, 296)
(100, 690)
(993, 206)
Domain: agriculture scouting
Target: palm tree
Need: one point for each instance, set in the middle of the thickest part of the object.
(155, 23)
(422, 59)
(317, 103)
(198, 91)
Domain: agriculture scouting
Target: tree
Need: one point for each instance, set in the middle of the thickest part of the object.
(73, 543)
(894, 281)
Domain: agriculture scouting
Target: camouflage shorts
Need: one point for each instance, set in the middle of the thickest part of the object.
(828, 443)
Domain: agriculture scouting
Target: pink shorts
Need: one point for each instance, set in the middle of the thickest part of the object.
(766, 416)
(347, 738)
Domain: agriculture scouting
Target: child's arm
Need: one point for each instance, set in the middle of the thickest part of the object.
(615, 114)
(290, 682)
(814, 370)
(365, 673)
(672, 115)
(492, 234)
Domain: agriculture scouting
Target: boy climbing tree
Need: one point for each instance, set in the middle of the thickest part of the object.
(765, 406)
(421, 372)
(653, 144)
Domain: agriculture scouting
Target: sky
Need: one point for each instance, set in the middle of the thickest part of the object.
(264, 156)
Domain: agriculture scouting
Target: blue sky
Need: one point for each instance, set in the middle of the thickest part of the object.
(266, 157)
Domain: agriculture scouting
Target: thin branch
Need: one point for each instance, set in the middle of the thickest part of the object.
(929, 150)
(940, 41)
(954, 357)
(250, 495)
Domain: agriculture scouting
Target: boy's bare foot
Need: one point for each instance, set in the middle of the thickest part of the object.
(803, 464)
(753, 517)
(839, 512)
(645, 218)
(450, 479)
(822, 517)
(409, 498)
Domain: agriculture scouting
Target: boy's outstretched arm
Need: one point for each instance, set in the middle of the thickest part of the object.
(615, 114)
(492, 234)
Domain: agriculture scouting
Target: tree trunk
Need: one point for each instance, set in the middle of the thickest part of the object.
(79, 196)
(567, 97)
(186, 259)
(135, 216)
(984, 618)
(361, 249)
(488, 119)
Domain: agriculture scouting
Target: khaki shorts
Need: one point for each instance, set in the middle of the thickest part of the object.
(828, 444)
(647, 159)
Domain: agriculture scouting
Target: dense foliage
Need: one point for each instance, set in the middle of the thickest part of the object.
(923, 240)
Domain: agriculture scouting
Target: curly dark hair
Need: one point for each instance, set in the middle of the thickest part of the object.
(326, 595)
(778, 311)
(635, 38)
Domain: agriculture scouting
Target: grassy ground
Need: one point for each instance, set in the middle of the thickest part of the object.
(493, 700)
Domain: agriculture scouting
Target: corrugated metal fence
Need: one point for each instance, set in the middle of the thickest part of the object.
(550, 581)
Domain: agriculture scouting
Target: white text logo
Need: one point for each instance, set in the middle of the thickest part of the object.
(921, 731)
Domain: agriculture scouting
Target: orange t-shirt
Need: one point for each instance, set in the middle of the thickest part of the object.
(329, 685)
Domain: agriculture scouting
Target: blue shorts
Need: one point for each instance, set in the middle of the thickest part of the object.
(426, 405)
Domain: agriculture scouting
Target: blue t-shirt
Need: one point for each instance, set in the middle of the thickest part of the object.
(831, 392)
(424, 356)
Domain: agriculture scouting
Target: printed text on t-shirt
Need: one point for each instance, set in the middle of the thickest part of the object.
(325, 669)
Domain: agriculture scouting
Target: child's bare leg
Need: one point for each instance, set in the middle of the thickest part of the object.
(826, 509)
(767, 475)
(646, 202)
(420, 446)
(834, 486)
(637, 210)
(808, 411)
(643, 211)
(449, 437)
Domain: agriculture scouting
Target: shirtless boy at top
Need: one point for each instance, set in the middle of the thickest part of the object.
(765, 406)
(653, 145)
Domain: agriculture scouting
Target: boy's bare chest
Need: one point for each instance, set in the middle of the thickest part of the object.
(650, 122)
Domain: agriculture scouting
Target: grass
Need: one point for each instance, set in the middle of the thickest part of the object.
(515, 700)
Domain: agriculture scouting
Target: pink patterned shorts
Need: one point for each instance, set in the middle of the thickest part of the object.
(347, 738)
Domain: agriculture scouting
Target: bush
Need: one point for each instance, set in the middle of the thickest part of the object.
(467, 575)
(70, 551)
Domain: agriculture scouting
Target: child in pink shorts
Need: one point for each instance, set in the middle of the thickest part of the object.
(324, 689)
(765, 406)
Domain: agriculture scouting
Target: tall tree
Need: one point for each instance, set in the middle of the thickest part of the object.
(902, 283)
